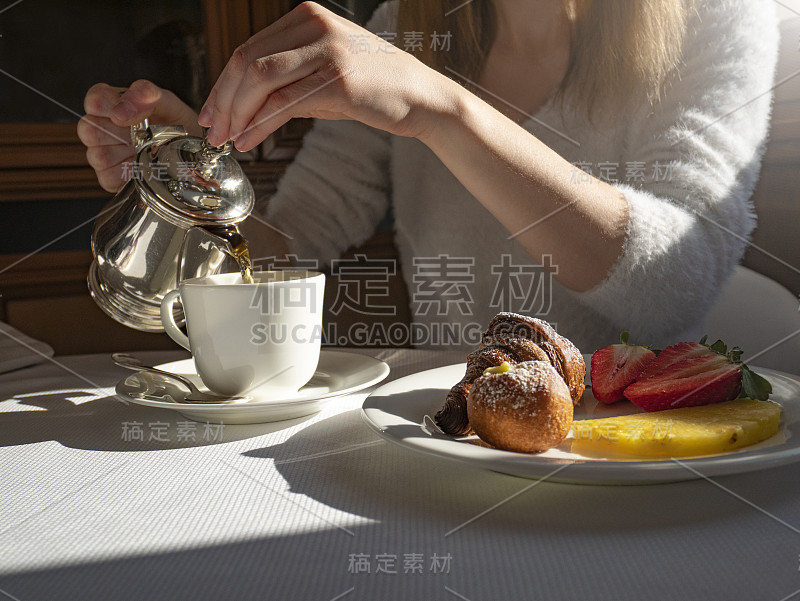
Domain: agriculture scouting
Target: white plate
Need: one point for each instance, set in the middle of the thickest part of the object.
(338, 373)
(397, 411)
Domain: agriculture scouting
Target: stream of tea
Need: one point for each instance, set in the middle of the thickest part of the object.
(242, 255)
(239, 250)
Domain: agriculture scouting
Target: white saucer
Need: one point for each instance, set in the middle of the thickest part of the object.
(402, 411)
(338, 373)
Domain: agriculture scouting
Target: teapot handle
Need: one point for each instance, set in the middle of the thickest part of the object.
(139, 134)
(143, 133)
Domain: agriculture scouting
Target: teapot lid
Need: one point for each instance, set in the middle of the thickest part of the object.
(203, 184)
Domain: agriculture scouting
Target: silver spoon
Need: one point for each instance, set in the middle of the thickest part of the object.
(195, 395)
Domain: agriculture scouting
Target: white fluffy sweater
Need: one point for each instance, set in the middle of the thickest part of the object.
(687, 168)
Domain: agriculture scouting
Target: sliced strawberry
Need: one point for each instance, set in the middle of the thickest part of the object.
(688, 374)
(675, 354)
(616, 367)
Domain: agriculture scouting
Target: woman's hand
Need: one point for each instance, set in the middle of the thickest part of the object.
(312, 63)
(110, 112)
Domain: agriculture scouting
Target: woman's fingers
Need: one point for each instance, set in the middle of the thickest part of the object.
(281, 24)
(138, 102)
(145, 100)
(110, 112)
(308, 69)
(113, 178)
(100, 131)
(207, 111)
(298, 99)
(100, 98)
(308, 24)
(264, 76)
(105, 157)
(108, 148)
(95, 128)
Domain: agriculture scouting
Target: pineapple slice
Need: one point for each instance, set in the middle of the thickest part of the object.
(686, 432)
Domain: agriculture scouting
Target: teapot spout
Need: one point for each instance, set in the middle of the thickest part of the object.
(214, 249)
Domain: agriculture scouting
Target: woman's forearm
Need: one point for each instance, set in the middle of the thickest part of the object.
(530, 189)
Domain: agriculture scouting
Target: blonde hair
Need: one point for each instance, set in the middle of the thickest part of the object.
(615, 46)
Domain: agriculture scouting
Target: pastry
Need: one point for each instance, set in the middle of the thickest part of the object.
(513, 338)
(452, 418)
(527, 408)
(564, 355)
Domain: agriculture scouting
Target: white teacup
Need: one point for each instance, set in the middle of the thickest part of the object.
(244, 337)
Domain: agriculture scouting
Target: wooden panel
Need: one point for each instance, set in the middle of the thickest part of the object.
(43, 274)
(27, 145)
(44, 161)
(49, 184)
(45, 296)
(264, 13)
(38, 133)
(74, 324)
(227, 24)
(22, 156)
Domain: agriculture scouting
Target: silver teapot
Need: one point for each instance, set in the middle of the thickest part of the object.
(175, 219)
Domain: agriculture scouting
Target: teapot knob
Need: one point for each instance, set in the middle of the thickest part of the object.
(209, 153)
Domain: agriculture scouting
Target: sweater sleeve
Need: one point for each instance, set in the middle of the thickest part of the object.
(337, 188)
(689, 220)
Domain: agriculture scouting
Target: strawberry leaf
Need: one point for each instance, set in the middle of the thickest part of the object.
(754, 386)
(719, 347)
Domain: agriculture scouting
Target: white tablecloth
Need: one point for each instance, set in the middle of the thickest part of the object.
(320, 508)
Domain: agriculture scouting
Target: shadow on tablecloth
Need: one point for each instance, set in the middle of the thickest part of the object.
(84, 419)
